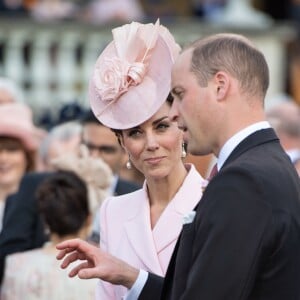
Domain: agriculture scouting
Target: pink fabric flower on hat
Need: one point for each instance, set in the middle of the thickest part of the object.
(110, 78)
(116, 74)
(113, 78)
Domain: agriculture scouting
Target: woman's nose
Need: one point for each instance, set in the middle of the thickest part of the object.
(152, 143)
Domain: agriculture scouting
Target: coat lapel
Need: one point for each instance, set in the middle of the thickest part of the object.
(169, 225)
(147, 243)
(138, 230)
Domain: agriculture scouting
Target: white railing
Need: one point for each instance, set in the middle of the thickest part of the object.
(53, 62)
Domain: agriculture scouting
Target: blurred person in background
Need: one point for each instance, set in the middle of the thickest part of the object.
(102, 142)
(62, 201)
(285, 119)
(29, 232)
(19, 141)
(110, 11)
(12, 7)
(97, 175)
(51, 10)
(61, 139)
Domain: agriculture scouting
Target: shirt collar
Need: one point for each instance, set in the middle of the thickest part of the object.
(294, 154)
(232, 143)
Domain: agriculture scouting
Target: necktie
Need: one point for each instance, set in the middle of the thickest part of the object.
(213, 172)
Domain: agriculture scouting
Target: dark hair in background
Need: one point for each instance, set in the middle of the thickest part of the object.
(63, 202)
(11, 144)
(89, 117)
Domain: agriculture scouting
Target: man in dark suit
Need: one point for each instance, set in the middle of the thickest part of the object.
(244, 240)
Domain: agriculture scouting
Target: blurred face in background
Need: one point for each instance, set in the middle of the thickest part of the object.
(103, 143)
(6, 97)
(13, 163)
(59, 148)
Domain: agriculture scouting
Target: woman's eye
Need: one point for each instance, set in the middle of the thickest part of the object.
(134, 133)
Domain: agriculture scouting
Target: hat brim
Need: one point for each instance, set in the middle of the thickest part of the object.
(131, 109)
(27, 137)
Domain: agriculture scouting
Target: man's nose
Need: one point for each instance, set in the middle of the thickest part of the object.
(173, 113)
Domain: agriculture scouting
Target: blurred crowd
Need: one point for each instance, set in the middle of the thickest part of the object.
(85, 158)
(103, 11)
(74, 162)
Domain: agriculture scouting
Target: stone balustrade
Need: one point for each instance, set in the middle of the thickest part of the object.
(53, 61)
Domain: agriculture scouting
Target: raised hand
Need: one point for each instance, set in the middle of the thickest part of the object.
(96, 263)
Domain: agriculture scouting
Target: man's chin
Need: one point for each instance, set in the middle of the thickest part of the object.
(192, 149)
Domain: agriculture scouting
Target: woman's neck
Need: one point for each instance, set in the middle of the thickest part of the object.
(162, 191)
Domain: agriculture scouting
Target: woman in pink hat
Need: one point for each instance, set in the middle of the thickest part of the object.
(128, 92)
(18, 145)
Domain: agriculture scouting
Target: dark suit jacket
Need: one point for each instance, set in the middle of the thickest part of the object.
(125, 187)
(244, 242)
(22, 227)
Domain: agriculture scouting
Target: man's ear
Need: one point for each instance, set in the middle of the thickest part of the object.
(222, 82)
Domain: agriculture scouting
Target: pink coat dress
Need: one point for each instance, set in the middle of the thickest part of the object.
(126, 230)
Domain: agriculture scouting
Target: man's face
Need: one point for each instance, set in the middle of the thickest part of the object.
(103, 143)
(192, 107)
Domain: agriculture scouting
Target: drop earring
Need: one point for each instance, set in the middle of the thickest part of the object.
(128, 164)
(183, 153)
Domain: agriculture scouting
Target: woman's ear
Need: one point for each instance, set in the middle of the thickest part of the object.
(222, 82)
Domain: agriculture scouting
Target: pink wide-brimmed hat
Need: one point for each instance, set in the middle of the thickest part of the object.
(16, 121)
(132, 76)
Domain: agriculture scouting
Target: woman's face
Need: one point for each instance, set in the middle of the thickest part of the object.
(155, 147)
(13, 163)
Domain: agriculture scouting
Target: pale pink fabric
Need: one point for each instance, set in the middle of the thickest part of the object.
(16, 121)
(126, 231)
(132, 76)
(36, 275)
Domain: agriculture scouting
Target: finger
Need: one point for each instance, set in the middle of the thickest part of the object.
(70, 259)
(62, 253)
(79, 267)
(72, 243)
(89, 273)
